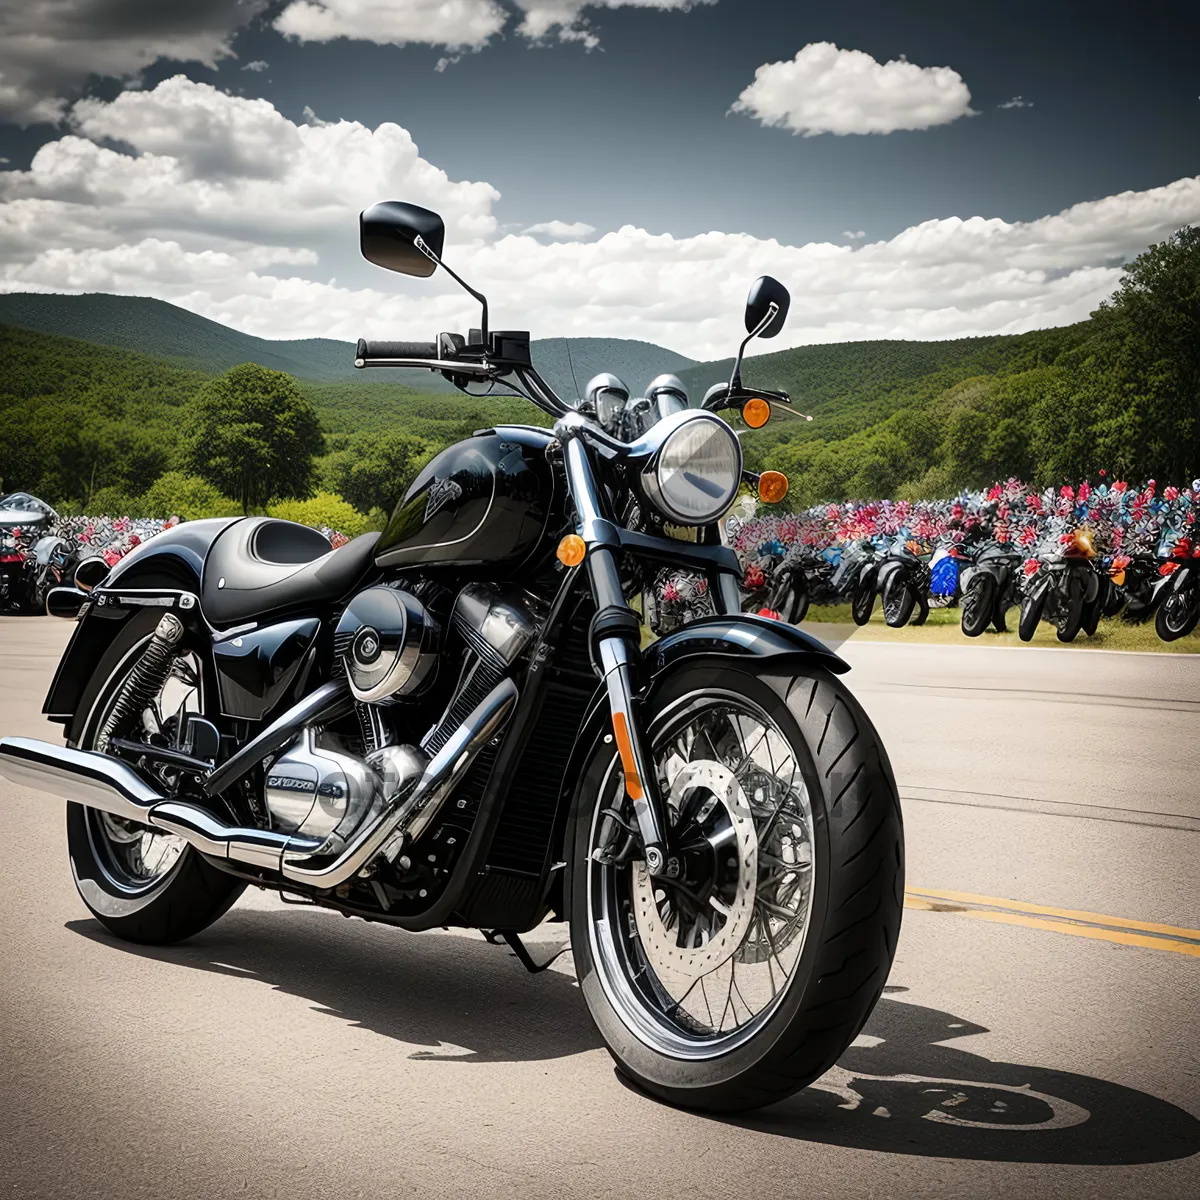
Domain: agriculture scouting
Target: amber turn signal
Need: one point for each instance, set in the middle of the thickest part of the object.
(772, 486)
(756, 413)
(571, 550)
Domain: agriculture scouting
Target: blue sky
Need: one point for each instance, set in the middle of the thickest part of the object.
(903, 164)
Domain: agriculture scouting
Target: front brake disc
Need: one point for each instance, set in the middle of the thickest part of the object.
(656, 919)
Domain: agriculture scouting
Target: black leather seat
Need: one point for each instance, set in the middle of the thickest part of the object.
(260, 565)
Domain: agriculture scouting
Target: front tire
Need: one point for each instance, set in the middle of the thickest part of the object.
(899, 600)
(862, 603)
(824, 970)
(978, 604)
(1032, 607)
(1179, 612)
(141, 885)
(1071, 612)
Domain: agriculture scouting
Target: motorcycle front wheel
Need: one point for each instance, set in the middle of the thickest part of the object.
(862, 603)
(1031, 614)
(1179, 613)
(978, 603)
(1071, 607)
(789, 597)
(899, 600)
(744, 978)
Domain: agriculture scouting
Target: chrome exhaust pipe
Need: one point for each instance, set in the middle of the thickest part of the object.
(411, 812)
(112, 786)
(80, 775)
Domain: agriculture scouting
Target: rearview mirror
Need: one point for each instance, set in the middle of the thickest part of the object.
(763, 294)
(402, 237)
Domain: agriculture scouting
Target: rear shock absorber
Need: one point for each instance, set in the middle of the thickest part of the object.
(145, 681)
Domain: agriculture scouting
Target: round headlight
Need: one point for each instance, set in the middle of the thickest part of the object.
(695, 475)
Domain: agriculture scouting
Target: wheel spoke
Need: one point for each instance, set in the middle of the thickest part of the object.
(680, 993)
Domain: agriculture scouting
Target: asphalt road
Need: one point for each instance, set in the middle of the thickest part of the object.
(1039, 1037)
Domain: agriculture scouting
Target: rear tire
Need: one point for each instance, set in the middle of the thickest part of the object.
(160, 910)
(856, 893)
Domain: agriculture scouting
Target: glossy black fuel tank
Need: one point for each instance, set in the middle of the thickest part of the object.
(486, 501)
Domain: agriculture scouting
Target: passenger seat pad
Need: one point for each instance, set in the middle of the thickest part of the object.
(261, 565)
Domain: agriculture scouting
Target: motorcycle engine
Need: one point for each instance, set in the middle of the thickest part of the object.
(388, 644)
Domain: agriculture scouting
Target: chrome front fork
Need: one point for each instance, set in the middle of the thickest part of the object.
(616, 652)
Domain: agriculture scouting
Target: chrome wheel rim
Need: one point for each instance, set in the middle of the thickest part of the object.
(134, 858)
(696, 969)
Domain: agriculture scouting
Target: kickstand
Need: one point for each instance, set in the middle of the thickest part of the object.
(496, 936)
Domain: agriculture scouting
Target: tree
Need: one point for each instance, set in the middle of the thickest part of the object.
(1152, 327)
(253, 435)
(375, 469)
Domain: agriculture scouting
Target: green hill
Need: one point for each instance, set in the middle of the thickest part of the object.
(166, 331)
(1120, 391)
(846, 386)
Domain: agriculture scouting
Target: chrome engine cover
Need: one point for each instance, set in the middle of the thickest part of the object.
(315, 788)
(388, 642)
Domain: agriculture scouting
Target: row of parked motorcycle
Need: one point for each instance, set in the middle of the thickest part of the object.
(1067, 557)
(40, 550)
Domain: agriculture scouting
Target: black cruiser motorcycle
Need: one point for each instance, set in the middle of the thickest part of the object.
(456, 723)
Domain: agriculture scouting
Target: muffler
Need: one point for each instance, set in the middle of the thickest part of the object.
(112, 786)
(109, 785)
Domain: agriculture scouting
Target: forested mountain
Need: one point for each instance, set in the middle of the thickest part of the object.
(1120, 391)
(166, 331)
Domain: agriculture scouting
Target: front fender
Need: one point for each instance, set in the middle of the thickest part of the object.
(738, 636)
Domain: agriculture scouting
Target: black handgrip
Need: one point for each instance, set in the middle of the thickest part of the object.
(367, 350)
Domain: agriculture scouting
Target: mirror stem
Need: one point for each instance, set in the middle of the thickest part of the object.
(420, 244)
(735, 380)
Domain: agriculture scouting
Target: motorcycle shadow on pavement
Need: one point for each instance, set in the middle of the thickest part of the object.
(900, 1089)
(444, 995)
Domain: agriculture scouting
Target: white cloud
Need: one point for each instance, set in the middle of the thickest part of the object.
(828, 90)
(265, 239)
(48, 48)
(562, 231)
(394, 22)
(854, 235)
(565, 18)
(1017, 102)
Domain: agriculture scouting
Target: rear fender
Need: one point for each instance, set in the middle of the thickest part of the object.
(162, 573)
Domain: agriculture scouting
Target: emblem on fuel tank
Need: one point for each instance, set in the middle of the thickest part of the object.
(441, 492)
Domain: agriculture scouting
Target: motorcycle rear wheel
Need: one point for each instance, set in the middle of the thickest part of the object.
(806, 938)
(142, 885)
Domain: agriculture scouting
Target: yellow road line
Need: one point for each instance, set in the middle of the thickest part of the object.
(1122, 930)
